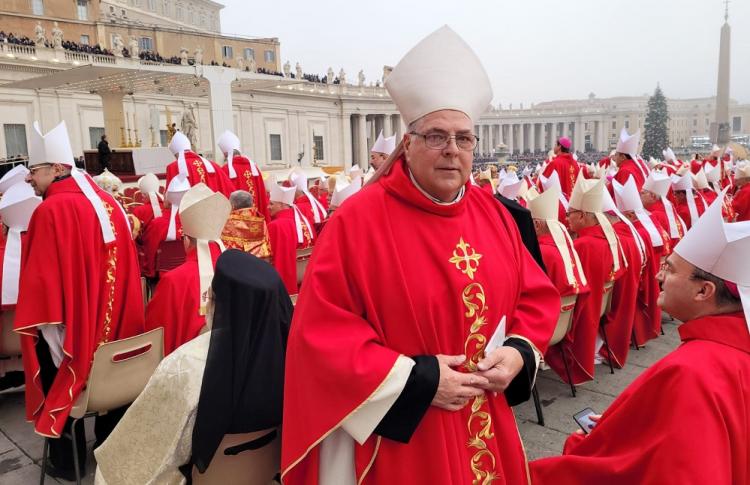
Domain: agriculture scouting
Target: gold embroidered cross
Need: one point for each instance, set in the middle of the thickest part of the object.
(465, 256)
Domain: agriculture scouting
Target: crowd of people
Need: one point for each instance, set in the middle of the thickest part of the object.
(429, 303)
(12, 39)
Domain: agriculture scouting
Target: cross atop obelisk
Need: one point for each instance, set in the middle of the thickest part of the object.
(726, 11)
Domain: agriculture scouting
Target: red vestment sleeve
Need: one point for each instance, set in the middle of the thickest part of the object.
(329, 329)
(282, 235)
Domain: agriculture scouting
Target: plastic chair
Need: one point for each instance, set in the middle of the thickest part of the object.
(303, 257)
(564, 323)
(606, 308)
(244, 459)
(119, 372)
(169, 255)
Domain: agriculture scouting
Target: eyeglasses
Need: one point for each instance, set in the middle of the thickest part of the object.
(438, 141)
(33, 170)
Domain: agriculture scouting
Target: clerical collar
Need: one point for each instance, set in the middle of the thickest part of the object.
(459, 196)
(61, 177)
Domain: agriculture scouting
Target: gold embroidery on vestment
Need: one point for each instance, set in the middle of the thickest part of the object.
(483, 463)
(198, 164)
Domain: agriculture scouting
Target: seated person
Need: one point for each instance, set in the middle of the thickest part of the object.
(246, 229)
(179, 301)
(684, 419)
(183, 413)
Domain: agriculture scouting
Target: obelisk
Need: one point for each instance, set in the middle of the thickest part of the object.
(720, 129)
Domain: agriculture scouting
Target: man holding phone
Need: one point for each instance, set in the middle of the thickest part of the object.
(684, 420)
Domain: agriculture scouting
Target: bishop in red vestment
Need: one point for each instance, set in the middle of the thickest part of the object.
(176, 301)
(197, 168)
(694, 402)
(288, 231)
(246, 180)
(741, 200)
(92, 310)
(566, 167)
(383, 338)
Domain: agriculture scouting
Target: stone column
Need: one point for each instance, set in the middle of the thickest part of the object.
(398, 127)
(511, 138)
(533, 136)
(387, 126)
(363, 159)
(579, 137)
(346, 141)
(500, 135)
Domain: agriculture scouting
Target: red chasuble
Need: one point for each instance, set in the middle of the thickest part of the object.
(217, 181)
(145, 213)
(727, 211)
(282, 233)
(647, 320)
(596, 259)
(741, 203)
(684, 420)
(254, 184)
(626, 170)
(619, 321)
(152, 236)
(176, 301)
(681, 206)
(434, 279)
(553, 262)
(70, 277)
(567, 169)
(659, 214)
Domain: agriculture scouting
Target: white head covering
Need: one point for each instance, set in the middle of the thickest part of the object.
(178, 146)
(13, 176)
(545, 207)
(108, 181)
(149, 185)
(721, 249)
(685, 182)
(284, 195)
(440, 72)
(54, 147)
(343, 193)
(229, 142)
(659, 183)
(383, 144)
(203, 214)
(16, 207)
(742, 171)
(713, 176)
(554, 181)
(629, 143)
(608, 205)
(669, 155)
(587, 196)
(510, 186)
(629, 200)
(298, 178)
(177, 188)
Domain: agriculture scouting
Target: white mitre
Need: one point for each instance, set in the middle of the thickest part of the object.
(545, 207)
(54, 147)
(13, 176)
(440, 72)
(384, 144)
(149, 186)
(343, 193)
(16, 207)
(628, 199)
(628, 143)
(284, 195)
(203, 214)
(721, 249)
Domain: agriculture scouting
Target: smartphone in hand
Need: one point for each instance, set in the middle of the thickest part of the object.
(583, 418)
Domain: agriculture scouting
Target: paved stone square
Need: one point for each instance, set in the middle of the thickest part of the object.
(21, 448)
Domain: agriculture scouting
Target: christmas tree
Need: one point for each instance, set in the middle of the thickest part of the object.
(657, 125)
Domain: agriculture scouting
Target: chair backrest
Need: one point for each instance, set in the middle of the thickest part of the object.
(250, 467)
(10, 341)
(303, 257)
(170, 255)
(565, 320)
(119, 372)
(607, 298)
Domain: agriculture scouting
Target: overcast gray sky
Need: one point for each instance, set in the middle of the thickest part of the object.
(533, 50)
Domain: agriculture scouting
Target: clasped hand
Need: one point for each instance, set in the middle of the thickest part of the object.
(496, 371)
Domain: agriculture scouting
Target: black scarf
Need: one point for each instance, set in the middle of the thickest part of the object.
(243, 384)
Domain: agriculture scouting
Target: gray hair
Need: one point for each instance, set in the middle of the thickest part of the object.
(241, 199)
